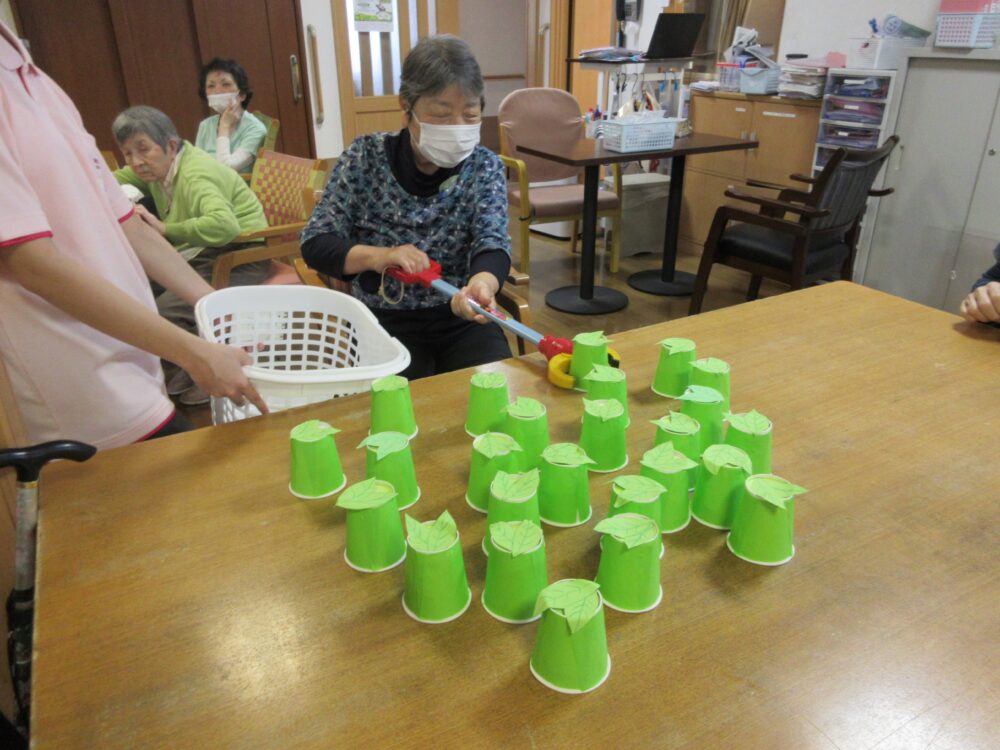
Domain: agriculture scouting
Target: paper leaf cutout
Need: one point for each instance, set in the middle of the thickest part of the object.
(431, 537)
(666, 460)
(605, 374)
(677, 424)
(493, 444)
(573, 598)
(390, 383)
(591, 338)
(604, 409)
(773, 489)
(636, 489)
(489, 380)
(516, 537)
(702, 394)
(631, 529)
(751, 422)
(371, 493)
(515, 486)
(566, 454)
(525, 408)
(385, 443)
(711, 364)
(716, 457)
(313, 430)
(677, 346)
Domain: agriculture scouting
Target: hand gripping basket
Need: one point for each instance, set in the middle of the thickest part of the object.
(308, 344)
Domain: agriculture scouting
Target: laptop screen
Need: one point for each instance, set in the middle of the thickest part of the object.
(674, 35)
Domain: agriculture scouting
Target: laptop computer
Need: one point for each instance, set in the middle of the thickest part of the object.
(674, 35)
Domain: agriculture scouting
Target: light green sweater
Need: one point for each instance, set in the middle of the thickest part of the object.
(211, 203)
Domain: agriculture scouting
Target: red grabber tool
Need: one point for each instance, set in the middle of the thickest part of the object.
(557, 351)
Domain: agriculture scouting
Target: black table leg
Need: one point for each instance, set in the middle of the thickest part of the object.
(668, 282)
(587, 299)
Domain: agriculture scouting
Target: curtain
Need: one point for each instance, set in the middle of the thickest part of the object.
(734, 13)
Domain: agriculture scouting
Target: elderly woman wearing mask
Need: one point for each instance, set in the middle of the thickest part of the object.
(429, 191)
(233, 135)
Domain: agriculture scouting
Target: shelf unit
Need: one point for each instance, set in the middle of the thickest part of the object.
(852, 120)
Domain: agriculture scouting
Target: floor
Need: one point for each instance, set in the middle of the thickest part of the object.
(553, 265)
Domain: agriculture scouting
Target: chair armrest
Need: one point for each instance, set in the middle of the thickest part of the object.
(518, 308)
(881, 193)
(517, 278)
(306, 274)
(226, 262)
(806, 211)
(732, 213)
(247, 176)
(798, 177)
(522, 183)
(276, 231)
(784, 193)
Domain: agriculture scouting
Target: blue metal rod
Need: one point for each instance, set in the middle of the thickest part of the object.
(498, 317)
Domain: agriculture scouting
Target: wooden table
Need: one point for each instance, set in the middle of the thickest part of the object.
(187, 600)
(587, 299)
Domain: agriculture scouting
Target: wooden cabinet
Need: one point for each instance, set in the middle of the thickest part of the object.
(785, 130)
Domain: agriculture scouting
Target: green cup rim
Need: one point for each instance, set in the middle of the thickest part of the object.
(769, 564)
(358, 568)
(318, 497)
(455, 616)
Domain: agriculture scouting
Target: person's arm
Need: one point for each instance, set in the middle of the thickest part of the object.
(82, 294)
(162, 263)
(239, 159)
(126, 176)
(213, 223)
(982, 305)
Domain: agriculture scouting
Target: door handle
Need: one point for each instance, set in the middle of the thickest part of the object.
(293, 61)
(317, 87)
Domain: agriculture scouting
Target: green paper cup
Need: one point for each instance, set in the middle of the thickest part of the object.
(589, 349)
(491, 452)
(392, 407)
(437, 589)
(602, 435)
(630, 577)
(712, 372)
(762, 533)
(605, 382)
(673, 371)
(720, 485)
(682, 431)
(316, 470)
(487, 399)
(670, 468)
(514, 579)
(564, 486)
(374, 534)
(705, 405)
(635, 494)
(752, 432)
(571, 662)
(395, 465)
(513, 497)
(529, 426)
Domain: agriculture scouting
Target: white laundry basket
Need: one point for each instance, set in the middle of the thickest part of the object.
(308, 344)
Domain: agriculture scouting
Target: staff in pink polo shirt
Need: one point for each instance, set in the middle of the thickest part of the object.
(79, 333)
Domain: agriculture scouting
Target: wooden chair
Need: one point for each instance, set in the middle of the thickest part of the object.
(279, 181)
(819, 242)
(540, 116)
(273, 125)
(111, 160)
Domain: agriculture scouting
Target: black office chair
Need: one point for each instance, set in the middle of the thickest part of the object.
(819, 242)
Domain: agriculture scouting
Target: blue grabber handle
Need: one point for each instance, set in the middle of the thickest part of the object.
(497, 316)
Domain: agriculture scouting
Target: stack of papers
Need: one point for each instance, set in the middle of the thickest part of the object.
(801, 82)
(611, 54)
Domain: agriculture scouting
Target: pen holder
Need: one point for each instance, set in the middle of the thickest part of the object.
(526, 421)
(723, 472)
(436, 588)
(602, 434)
(605, 382)
(764, 521)
(491, 452)
(712, 373)
(752, 432)
(629, 570)
(515, 571)
(705, 405)
(589, 349)
(513, 497)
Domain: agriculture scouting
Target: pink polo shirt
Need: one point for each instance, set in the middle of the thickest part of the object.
(70, 380)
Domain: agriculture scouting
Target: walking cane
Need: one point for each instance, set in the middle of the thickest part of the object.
(28, 464)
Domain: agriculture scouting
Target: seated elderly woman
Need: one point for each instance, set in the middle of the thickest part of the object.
(233, 135)
(203, 207)
(428, 191)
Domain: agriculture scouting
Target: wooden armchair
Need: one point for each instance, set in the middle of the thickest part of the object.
(820, 240)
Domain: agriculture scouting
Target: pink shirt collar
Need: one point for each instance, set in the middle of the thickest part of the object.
(13, 55)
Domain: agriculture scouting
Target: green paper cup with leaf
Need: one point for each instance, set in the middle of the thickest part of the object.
(392, 407)
(670, 468)
(764, 521)
(487, 399)
(751, 431)
(673, 371)
(602, 434)
(388, 457)
(564, 485)
(682, 431)
(633, 493)
(491, 452)
(571, 646)
(629, 571)
(515, 572)
(437, 588)
(604, 382)
(705, 405)
(589, 349)
(316, 470)
(527, 422)
(513, 497)
(713, 373)
(374, 532)
(724, 471)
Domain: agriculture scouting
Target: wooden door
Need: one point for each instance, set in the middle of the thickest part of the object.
(719, 116)
(368, 63)
(591, 25)
(787, 136)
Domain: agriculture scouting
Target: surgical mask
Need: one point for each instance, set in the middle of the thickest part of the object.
(220, 102)
(446, 145)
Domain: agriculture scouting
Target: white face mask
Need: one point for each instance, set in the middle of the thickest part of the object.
(446, 145)
(220, 102)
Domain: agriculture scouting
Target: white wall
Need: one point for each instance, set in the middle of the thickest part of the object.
(329, 136)
(497, 33)
(816, 27)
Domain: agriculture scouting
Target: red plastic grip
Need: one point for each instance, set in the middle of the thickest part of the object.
(424, 278)
(550, 346)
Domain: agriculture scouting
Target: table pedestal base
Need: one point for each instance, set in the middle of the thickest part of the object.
(568, 299)
(651, 282)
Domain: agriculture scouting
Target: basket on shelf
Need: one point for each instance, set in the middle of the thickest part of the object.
(640, 132)
(759, 80)
(308, 344)
(729, 75)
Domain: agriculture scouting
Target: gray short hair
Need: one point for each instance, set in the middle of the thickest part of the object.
(143, 120)
(436, 63)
